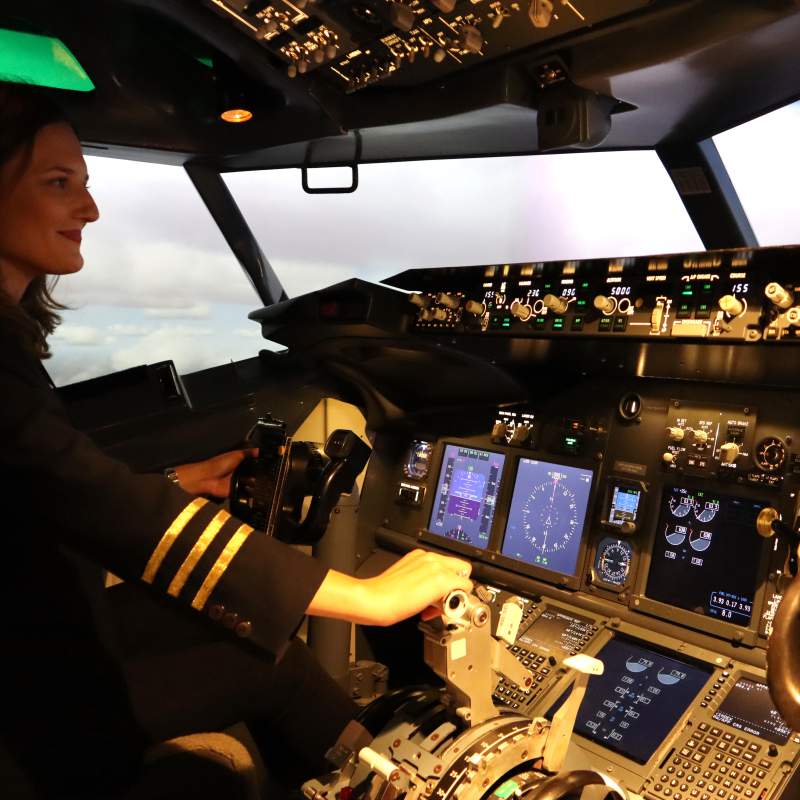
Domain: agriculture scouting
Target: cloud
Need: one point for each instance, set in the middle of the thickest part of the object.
(183, 330)
(129, 330)
(81, 335)
(199, 311)
(249, 333)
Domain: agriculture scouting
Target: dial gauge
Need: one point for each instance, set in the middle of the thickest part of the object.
(458, 534)
(550, 516)
(705, 510)
(613, 561)
(680, 505)
(418, 461)
(770, 454)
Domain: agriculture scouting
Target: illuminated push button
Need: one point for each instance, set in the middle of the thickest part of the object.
(558, 305)
(523, 312)
(729, 452)
(730, 305)
(676, 434)
(605, 305)
(604, 324)
(473, 307)
(778, 295)
(447, 300)
(577, 324)
(620, 324)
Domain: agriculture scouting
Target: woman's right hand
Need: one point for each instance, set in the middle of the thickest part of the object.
(408, 587)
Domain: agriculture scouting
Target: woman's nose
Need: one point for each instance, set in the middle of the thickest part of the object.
(88, 209)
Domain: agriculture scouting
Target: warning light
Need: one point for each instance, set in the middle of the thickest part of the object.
(237, 115)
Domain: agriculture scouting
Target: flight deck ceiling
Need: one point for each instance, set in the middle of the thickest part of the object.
(374, 80)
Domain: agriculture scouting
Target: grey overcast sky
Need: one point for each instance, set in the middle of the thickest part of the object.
(160, 282)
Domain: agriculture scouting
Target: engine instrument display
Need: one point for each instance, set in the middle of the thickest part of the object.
(613, 562)
(624, 504)
(635, 703)
(419, 460)
(466, 496)
(548, 509)
(750, 709)
(707, 554)
(558, 632)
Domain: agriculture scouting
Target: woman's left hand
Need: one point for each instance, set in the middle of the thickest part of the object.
(213, 476)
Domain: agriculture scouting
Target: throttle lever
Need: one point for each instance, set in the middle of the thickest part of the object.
(769, 523)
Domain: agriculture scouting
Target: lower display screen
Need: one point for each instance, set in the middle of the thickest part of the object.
(465, 499)
(635, 703)
(749, 708)
(548, 509)
(707, 554)
(558, 633)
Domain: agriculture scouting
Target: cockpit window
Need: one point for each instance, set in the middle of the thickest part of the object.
(461, 212)
(159, 281)
(29, 55)
(763, 161)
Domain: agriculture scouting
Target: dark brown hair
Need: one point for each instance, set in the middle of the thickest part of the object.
(24, 111)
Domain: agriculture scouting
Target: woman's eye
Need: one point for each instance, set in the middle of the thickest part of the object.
(60, 182)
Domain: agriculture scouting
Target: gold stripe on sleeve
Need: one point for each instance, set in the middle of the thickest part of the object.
(231, 549)
(169, 537)
(200, 546)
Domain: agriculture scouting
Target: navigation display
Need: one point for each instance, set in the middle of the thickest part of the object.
(635, 703)
(707, 554)
(624, 505)
(558, 633)
(749, 708)
(548, 509)
(467, 493)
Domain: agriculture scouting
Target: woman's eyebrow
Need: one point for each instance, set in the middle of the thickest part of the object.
(68, 170)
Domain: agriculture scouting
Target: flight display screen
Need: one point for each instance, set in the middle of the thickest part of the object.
(548, 509)
(465, 499)
(750, 709)
(556, 632)
(707, 554)
(624, 505)
(635, 703)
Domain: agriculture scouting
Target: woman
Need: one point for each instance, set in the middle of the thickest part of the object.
(201, 633)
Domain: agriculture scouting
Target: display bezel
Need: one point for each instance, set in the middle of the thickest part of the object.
(626, 483)
(434, 475)
(501, 522)
(716, 627)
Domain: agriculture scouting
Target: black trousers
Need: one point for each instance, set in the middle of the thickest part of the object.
(183, 677)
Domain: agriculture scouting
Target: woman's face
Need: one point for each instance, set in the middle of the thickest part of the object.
(44, 209)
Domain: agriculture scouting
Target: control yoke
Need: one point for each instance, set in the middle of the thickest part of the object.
(769, 523)
(269, 491)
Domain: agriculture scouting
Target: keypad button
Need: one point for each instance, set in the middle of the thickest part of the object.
(748, 757)
(761, 774)
(765, 764)
(722, 745)
(697, 735)
(691, 743)
(728, 737)
(704, 748)
(735, 751)
(710, 740)
(685, 751)
(741, 742)
(698, 757)
(753, 747)
(703, 726)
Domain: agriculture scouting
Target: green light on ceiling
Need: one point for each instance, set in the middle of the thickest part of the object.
(41, 60)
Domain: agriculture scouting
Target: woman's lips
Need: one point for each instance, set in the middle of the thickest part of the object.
(75, 235)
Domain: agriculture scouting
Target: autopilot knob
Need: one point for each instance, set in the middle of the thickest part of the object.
(558, 305)
(731, 305)
(782, 298)
(676, 434)
(448, 301)
(521, 311)
(474, 307)
(605, 305)
(420, 300)
(433, 315)
(729, 452)
(402, 17)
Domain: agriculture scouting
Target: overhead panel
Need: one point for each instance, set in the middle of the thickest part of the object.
(354, 44)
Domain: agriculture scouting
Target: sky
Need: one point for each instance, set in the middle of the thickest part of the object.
(159, 281)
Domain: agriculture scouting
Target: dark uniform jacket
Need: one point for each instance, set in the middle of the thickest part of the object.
(63, 702)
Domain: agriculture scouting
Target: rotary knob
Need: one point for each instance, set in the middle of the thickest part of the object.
(470, 38)
(731, 305)
(558, 305)
(698, 437)
(782, 298)
(729, 452)
(473, 307)
(433, 315)
(605, 305)
(676, 434)
(420, 300)
(445, 6)
(447, 300)
(402, 17)
(521, 311)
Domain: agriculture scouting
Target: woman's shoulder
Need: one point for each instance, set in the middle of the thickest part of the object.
(17, 360)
